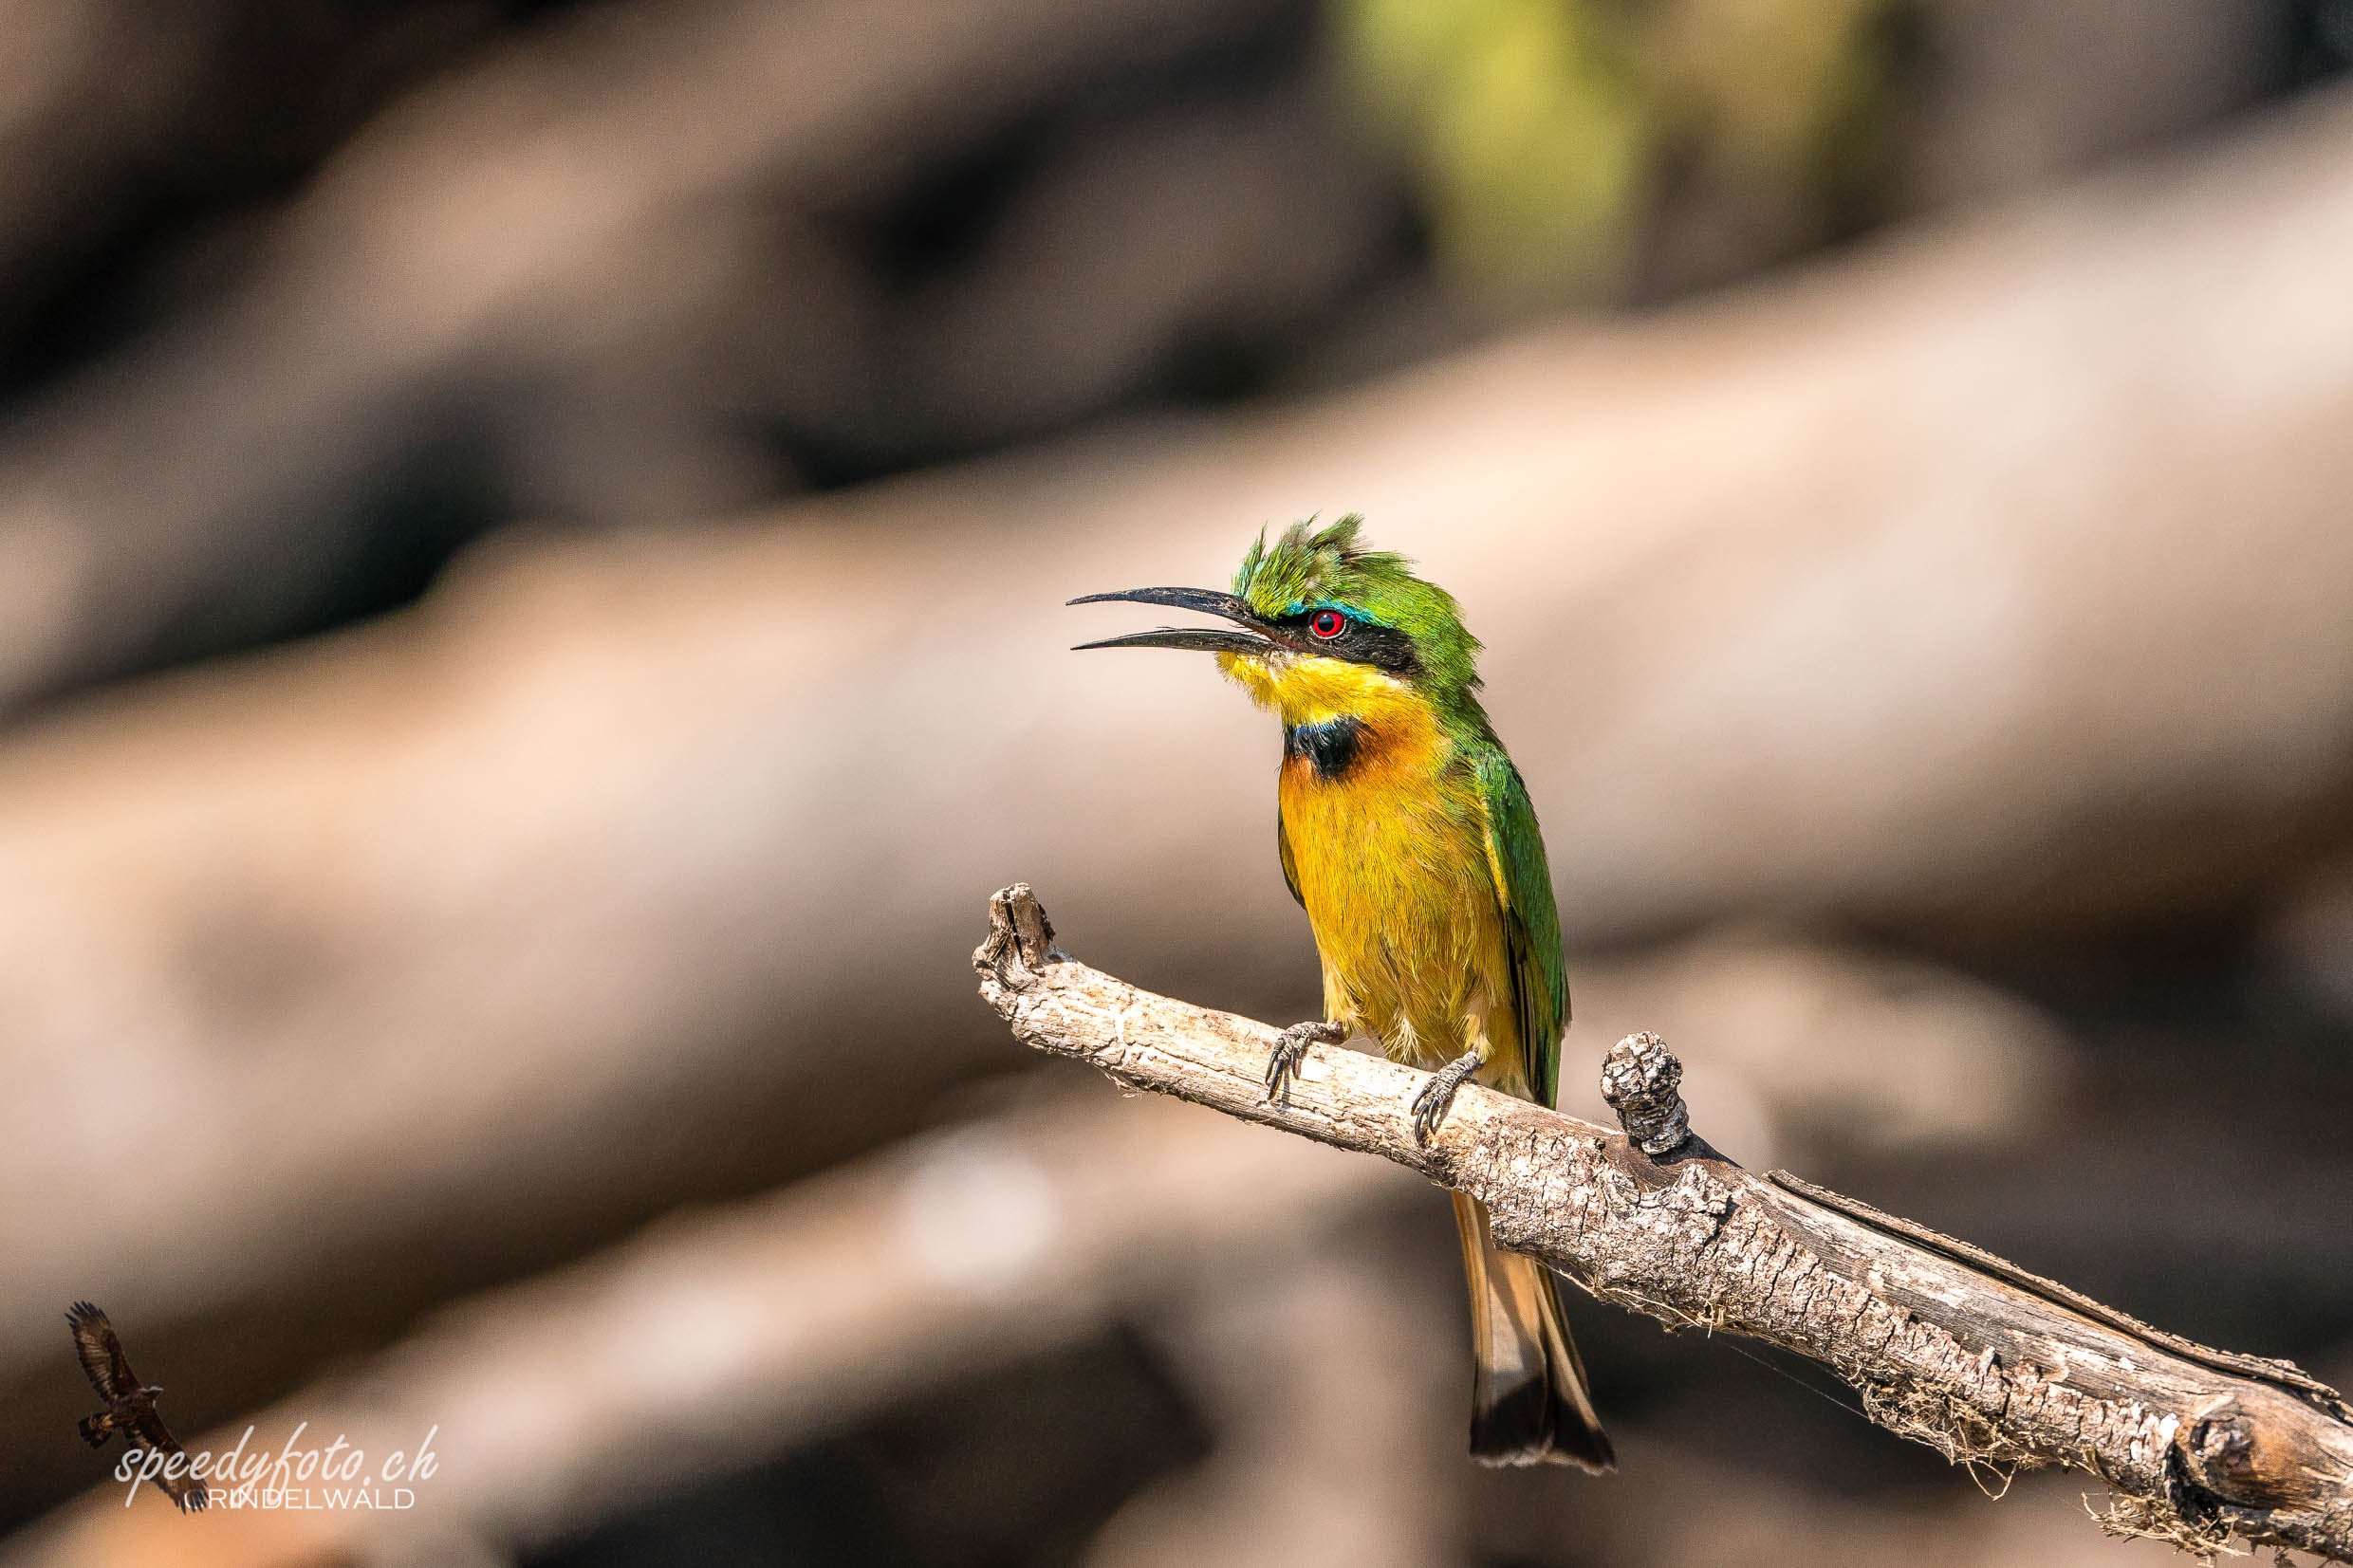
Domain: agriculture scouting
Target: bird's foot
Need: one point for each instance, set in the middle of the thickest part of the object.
(1437, 1095)
(1291, 1049)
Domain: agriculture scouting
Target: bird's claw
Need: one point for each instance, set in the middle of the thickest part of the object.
(1435, 1097)
(1430, 1107)
(1291, 1049)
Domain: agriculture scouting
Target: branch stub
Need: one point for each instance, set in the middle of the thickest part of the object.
(1641, 1080)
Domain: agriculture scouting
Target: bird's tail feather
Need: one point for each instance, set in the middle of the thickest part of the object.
(95, 1429)
(1528, 1404)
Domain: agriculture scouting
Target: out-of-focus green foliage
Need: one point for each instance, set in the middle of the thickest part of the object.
(1546, 136)
(1526, 125)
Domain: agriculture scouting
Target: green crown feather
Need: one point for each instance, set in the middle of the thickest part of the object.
(1313, 568)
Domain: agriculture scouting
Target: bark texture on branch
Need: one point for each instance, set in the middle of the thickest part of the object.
(1948, 1345)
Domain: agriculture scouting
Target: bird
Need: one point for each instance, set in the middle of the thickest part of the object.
(1406, 834)
(130, 1404)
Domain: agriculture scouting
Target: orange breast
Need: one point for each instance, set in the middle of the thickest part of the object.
(1392, 864)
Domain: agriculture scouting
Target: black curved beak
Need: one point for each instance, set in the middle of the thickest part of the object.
(1246, 638)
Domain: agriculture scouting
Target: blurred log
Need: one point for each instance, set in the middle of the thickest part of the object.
(564, 210)
(1988, 580)
(1807, 1052)
(717, 1339)
(1225, 221)
(1948, 1346)
(95, 88)
(2310, 939)
(1336, 1397)
(121, 117)
(2008, 94)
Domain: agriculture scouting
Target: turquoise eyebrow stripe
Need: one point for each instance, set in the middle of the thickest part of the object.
(1349, 610)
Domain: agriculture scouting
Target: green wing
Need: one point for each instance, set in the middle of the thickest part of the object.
(1515, 854)
(1283, 848)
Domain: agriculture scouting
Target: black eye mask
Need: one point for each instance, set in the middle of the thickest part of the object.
(1384, 647)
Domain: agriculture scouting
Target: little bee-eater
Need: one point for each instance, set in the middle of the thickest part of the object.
(1405, 833)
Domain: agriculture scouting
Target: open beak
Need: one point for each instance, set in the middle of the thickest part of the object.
(1246, 637)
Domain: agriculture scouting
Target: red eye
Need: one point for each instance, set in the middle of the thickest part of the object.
(1327, 623)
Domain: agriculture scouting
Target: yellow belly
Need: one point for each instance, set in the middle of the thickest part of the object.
(1391, 861)
(1395, 878)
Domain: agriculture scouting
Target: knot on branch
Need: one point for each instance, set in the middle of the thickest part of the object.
(2234, 1456)
(1020, 940)
(1643, 1082)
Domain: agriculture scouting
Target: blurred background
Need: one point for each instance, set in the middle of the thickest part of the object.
(532, 545)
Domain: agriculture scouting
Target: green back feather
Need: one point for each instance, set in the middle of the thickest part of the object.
(1531, 919)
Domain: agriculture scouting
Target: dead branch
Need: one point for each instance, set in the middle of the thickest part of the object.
(1948, 1345)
